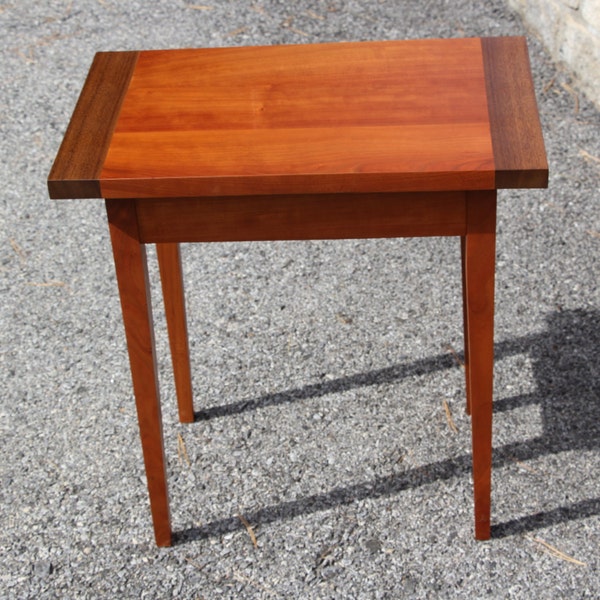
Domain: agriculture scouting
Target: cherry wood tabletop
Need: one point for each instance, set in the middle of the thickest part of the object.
(393, 116)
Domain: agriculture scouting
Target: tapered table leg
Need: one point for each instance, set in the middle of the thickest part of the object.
(169, 262)
(463, 247)
(478, 264)
(132, 278)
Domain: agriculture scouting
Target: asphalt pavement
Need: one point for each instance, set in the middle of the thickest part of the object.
(332, 456)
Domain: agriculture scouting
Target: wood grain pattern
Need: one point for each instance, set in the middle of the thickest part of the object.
(283, 87)
(478, 277)
(418, 115)
(326, 118)
(336, 216)
(519, 153)
(134, 291)
(78, 164)
(303, 161)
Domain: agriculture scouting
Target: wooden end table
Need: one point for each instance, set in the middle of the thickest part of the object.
(325, 141)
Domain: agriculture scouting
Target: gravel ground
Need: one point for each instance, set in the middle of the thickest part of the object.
(321, 369)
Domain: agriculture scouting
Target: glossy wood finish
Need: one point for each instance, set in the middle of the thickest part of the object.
(478, 276)
(335, 216)
(329, 141)
(326, 118)
(356, 117)
(519, 154)
(132, 278)
(169, 262)
(76, 170)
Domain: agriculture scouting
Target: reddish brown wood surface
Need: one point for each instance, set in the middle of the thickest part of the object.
(463, 259)
(327, 118)
(132, 278)
(519, 153)
(337, 216)
(478, 277)
(169, 262)
(78, 164)
(417, 115)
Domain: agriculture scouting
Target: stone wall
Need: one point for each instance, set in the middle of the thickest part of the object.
(570, 29)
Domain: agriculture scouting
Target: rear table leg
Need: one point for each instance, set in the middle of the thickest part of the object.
(169, 262)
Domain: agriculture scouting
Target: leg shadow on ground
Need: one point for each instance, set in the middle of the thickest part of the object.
(566, 367)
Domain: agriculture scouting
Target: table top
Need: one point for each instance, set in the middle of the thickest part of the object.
(353, 117)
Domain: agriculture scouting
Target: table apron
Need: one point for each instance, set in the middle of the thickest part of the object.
(300, 217)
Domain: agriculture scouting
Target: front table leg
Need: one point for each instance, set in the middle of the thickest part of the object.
(134, 290)
(479, 248)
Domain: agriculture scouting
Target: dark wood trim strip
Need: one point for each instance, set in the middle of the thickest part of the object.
(78, 164)
(519, 154)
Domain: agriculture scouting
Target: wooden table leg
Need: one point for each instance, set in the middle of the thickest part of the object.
(169, 262)
(132, 278)
(479, 266)
(463, 255)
